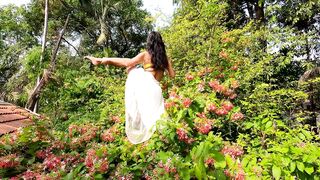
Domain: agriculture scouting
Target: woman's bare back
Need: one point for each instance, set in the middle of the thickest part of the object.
(158, 74)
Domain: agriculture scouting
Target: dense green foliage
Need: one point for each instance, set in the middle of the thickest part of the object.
(236, 109)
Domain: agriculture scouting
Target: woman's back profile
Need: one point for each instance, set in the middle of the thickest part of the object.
(144, 102)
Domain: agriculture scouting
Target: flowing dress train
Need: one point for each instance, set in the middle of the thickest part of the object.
(144, 105)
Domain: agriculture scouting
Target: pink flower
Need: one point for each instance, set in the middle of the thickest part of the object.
(228, 92)
(237, 116)
(221, 112)
(201, 87)
(235, 84)
(201, 115)
(9, 161)
(204, 126)
(209, 162)
(115, 119)
(234, 151)
(214, 84)
(235, 67)
(212, 107)
(107, 136)
(227, 105)
(233, 96)
(104, 166)
(187, 102)
(183, 136)
(52, 162)
(189, 77)
(173, 95)
(168, 105)
(223, 54)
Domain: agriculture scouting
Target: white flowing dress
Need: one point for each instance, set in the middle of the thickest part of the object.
(144, 105)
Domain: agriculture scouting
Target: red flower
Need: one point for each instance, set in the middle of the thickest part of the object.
(201, 115)
(168, 105)
(221, 112)
(9, 161)
(223, 54)
(212, 107)
(234, 151)
(214, 84)
(189, 77)
(219, 76)
(233, 96)
(235, 84)
(204, 126)
(107, 136)
(237, 116)
(115, 119)
(183, 136)
(187, 102)
(173, 95)
(227, 105)
(209, 162)
(104, 166)
(52, 162)
(235, 67)
(201, 87)
(228, 92)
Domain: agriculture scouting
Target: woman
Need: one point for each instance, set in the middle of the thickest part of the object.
(143, 96)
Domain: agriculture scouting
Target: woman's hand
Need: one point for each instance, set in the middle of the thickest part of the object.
(94, 61)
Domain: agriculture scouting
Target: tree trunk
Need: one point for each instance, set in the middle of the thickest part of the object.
(47, 73)
(43, 48)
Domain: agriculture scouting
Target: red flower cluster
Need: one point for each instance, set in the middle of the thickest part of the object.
(95, 163)
(168, 167)
(42, 154)
(204, 125)
(234, 84)
(174, 95)
(183, 136)
(116, 119)
(227, 105)
(189, 77)
(237, 116)
(9, 161)
(187, 102)
(212, 107)
(221, 112)
(169, 104)
(201, 87)
(29, 175)
(85, 132)
(52, 162)
(234, 151)
(223, 55)
(235, 67)
(209, 162)
(215, 85)
(108, 135)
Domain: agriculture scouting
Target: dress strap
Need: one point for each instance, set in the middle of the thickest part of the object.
(148, 65)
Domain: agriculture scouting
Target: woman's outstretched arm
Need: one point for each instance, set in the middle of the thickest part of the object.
(119, 62)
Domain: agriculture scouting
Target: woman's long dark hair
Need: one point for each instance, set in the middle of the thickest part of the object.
(157, 50)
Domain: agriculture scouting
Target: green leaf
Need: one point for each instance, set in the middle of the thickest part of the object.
(220, 162)
(292, 166)
(309, 169)
(300, 166)
(69, 176)
(276, 172)
(219, 174)
(268, 125)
